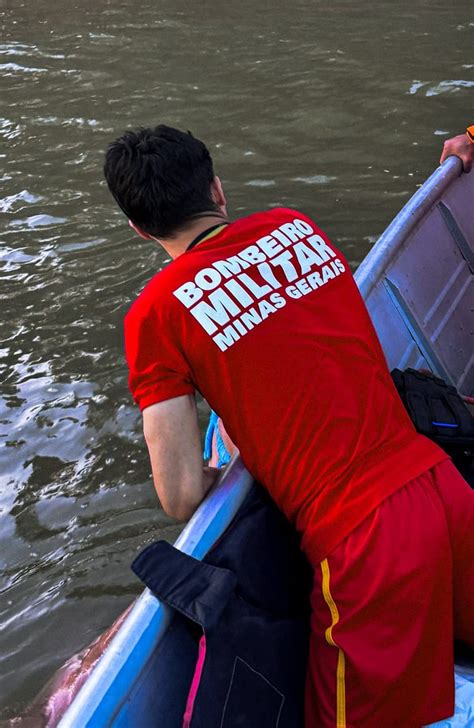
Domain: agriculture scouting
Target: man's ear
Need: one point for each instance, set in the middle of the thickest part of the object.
(217, 193)
(140, 232)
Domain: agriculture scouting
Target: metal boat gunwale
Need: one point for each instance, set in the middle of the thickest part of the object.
(372, 267)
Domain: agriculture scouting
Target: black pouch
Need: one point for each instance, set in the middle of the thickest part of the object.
(250, 599)
(438, 412)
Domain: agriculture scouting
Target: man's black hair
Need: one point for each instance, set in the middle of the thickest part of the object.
(160, 178)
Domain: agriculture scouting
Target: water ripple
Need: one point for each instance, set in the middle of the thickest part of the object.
(36, 221)
(16, 68)
(449, 87)
(8, 203)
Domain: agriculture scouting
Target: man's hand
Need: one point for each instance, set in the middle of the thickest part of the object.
(174, 444)
(459, 146)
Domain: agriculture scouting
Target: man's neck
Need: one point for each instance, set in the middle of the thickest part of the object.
(178, 245)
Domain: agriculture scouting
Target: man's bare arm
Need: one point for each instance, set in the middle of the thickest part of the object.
(174, 444)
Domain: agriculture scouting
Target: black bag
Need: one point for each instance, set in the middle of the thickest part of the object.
(250, 598)
(438, 412)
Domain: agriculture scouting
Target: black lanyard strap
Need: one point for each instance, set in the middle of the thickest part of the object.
(204, 234)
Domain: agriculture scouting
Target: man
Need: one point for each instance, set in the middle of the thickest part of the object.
(263, 318)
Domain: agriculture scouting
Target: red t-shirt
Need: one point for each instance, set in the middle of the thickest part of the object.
(266, 321)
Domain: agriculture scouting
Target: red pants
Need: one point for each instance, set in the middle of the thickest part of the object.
(386, 605)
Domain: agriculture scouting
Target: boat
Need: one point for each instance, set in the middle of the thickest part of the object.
(416, 281)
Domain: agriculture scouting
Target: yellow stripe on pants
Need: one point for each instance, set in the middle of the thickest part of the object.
(341, 662)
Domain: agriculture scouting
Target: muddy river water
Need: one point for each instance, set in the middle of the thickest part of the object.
(338, 109)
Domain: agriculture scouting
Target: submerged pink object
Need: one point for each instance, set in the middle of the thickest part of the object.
(51, 703)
